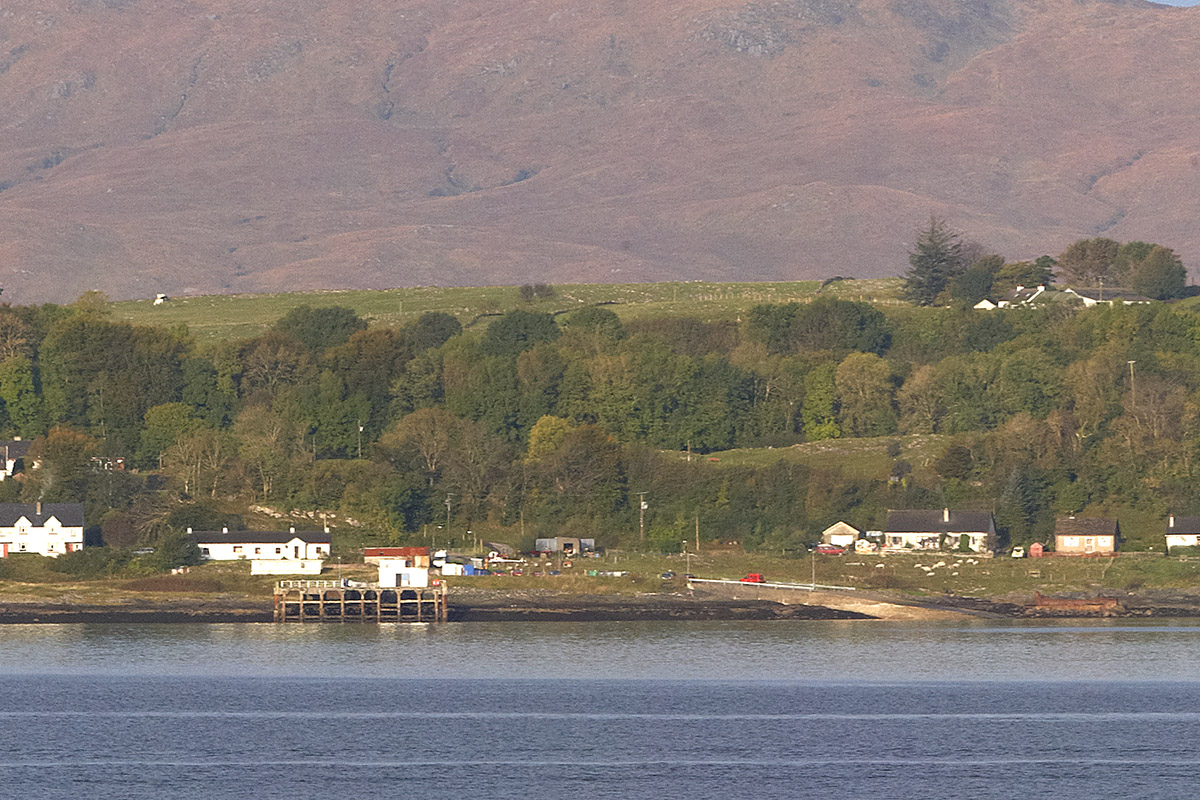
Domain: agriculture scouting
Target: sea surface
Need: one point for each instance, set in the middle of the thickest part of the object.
(538, 711)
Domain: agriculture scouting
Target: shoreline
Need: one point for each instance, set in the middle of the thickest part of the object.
(476, 605)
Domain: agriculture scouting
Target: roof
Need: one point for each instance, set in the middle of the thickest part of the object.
(395, 552)
(69, 514)
(1085, 526)
(931, 520)
(15, 448)
(256, 537)
(1111, 295)
(1186, 526)
(1022, 294)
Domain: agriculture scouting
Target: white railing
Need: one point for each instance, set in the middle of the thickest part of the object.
(808, 587)
(309, 584)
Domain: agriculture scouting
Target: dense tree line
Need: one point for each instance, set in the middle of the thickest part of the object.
(545, 424)
(946, 269)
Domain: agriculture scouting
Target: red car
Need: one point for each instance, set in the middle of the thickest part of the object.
(754, 577)
(829, 550)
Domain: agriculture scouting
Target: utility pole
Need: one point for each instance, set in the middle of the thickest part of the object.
(1132, 385)
(448, 496)
(642, 506)
(360, 429)
(697, 533)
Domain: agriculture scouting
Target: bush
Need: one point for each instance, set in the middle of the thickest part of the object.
(92, 562)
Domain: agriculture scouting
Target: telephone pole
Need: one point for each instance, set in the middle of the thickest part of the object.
(642, 506)
(448, 496)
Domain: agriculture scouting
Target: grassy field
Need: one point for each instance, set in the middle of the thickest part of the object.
(217, 317)
(926, 574)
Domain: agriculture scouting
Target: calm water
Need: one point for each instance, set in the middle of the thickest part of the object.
(656, 710)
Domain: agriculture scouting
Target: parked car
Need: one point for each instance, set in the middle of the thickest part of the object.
(666, 576)
(754, 577)
(1018, 552)
(829, 550)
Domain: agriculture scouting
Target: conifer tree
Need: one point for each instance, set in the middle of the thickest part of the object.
(936, 259)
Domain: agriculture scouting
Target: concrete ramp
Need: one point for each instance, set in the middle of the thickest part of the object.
(842, 598)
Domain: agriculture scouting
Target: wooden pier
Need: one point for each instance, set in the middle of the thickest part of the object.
(331, 601)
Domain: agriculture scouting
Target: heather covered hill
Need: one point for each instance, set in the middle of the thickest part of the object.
(216, 145)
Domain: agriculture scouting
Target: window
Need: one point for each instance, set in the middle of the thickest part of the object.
(203, 551)
(257, 551)
(279, 550)
(237, 548)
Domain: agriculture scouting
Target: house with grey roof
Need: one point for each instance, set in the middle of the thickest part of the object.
(48, 529)
(1021, 296)
(12, 457)
(930, 529)
(1182, 532)
(1113, 297)
(1086, 536)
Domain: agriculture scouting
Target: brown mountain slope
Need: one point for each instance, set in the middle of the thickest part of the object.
(220, 145)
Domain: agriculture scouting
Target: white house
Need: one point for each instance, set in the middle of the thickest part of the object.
(48, 529)
(1093, 297)
(12, 457)
(1182, 532)
(936, 530)
(261, 545)
(1021, 296)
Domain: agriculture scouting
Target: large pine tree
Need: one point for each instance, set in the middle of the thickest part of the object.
(936, 259)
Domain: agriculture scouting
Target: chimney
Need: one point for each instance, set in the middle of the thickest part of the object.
(292, 529)
(945, 515)
(16, 438)
(39, 508)
(224, 530)
(189, 528)
(1171, 521)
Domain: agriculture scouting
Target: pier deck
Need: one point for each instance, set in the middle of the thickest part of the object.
(331, 601)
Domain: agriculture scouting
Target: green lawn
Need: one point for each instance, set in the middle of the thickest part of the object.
(216, 317)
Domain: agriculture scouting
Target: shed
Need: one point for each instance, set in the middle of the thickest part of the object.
(842, 534)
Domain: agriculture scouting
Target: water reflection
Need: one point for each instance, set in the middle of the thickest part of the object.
(819, 652)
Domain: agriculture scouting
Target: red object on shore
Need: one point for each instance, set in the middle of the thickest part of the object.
(754, 577)
(1036, 550)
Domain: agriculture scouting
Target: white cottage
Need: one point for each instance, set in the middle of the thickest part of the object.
(261, 545)
(48, 529)
(1182, 532)
(927, 529)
